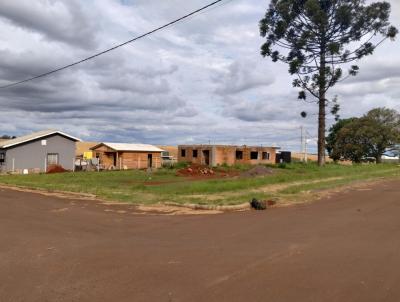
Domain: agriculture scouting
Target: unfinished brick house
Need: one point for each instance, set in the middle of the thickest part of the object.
(127, 156)
(214, 155)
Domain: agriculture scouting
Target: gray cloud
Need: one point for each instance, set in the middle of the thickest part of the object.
(63, 21)
(241, 76)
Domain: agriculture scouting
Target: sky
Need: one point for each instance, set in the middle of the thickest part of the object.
(201, 81)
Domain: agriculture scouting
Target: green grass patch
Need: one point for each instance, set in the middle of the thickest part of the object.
(164, 185)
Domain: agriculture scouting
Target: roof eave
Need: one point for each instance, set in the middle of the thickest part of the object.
(40, 136)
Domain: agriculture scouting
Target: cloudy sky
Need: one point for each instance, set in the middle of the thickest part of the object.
(199, 81)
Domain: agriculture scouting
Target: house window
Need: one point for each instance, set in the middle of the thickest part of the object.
(183, 152)
(52, 159)
(44, 142)
(194, 153)
(2, 158)
(254, 155)
(239, 154)
(265, 155)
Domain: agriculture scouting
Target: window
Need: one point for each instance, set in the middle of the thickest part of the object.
(165, 154)
(265, 156)
(44, 142)
(239, 154)
(194, 153)
(254, 155)
(2, 158)
(52, 159)
(183, 152)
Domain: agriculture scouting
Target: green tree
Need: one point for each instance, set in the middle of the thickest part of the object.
(352, 141)
(384, 131)
(369, 136)
(316, 37)
(331, 139)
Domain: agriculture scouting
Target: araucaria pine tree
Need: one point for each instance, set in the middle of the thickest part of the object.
(318, 39)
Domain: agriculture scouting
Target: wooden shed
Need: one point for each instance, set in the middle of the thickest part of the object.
(127, 156)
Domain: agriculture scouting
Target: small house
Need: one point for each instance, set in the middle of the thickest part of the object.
(127, 156)
(37, 152)
(214, 155)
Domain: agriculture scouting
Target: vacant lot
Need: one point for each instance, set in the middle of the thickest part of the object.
(232, 185)
(345, 248)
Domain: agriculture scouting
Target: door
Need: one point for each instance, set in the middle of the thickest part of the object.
(149, 160)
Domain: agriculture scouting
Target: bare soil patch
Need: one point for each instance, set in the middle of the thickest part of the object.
(340, 249)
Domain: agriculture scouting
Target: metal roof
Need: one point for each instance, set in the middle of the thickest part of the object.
(130, 147)
(33, 136)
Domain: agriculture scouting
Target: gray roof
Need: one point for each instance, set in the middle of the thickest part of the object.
(33, 136)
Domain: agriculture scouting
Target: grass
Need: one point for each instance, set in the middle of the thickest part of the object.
(287, 182)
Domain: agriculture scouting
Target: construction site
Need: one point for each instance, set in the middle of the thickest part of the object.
(213, 155)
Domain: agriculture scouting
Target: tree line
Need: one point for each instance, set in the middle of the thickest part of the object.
(7, 137)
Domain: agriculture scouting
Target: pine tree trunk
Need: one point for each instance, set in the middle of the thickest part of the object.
(321, 130)
(322, 107)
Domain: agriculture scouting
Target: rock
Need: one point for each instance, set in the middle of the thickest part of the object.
(258, 204)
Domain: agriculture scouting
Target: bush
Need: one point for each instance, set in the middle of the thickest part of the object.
(282, 166)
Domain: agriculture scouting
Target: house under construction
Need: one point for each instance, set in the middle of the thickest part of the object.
(214, 155)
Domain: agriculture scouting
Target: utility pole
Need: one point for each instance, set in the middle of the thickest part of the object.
(303, 150)
(302, 142)
(305, 146)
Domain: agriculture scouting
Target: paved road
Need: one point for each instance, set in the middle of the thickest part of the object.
(346, 248)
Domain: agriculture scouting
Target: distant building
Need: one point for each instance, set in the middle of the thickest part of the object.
(38, 151)
(214, 155)
(127, 156)
(83, 149)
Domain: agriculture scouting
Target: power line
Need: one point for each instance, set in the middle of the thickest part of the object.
(114, 47)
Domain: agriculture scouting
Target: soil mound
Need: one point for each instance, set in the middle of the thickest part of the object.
(257, 171)
(56, 169)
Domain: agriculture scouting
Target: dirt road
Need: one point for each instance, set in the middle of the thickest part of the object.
(345, 248)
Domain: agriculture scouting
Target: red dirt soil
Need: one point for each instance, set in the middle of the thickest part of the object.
(345, 248)
(56, 169)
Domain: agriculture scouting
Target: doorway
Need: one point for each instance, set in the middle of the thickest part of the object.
(206, 155)
(149, 160)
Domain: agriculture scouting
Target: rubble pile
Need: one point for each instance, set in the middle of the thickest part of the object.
(197, 170)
